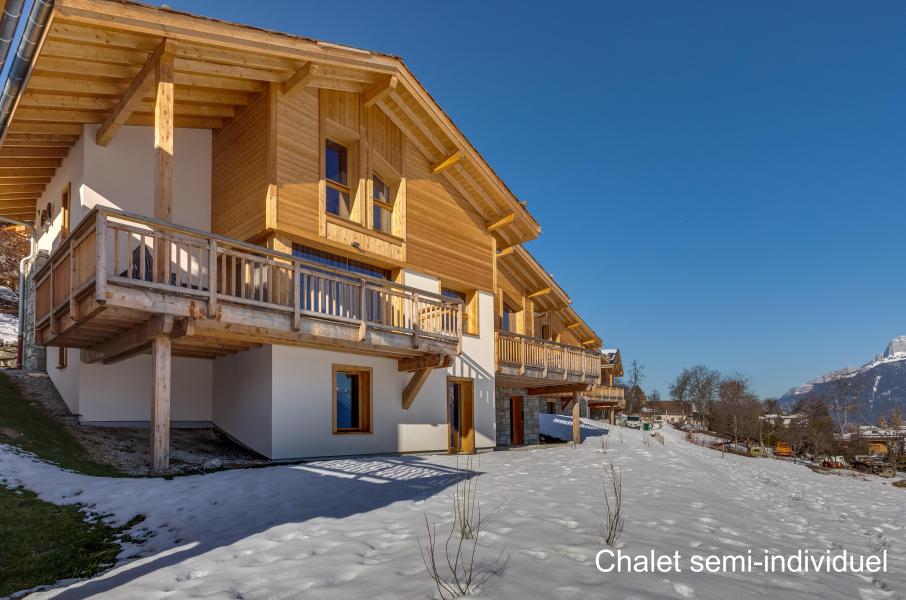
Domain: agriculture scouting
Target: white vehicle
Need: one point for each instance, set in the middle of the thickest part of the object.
(634, 422)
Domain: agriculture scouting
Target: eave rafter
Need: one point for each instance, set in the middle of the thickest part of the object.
(132, 97)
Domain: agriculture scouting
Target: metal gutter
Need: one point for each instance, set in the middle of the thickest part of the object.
(9, 22)
(23, 62)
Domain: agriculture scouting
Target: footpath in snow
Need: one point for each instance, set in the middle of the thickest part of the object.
(348, 528)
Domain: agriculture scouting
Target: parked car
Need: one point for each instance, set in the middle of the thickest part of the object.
(833, 462)
(634, 422)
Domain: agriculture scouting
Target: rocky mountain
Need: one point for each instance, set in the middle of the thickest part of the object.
(879, 384)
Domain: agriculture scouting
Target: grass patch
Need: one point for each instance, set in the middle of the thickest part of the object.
(901, 483)
(42, 543)
(30, 428)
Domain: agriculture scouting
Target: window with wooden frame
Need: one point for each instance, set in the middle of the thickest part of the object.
(351, 399)
(381, 205)
(508, 320)
(385, 197)
(469, 309)
(61, 357)
(64, 211)
(338, 194)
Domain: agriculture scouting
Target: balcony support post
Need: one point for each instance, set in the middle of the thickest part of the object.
(160, 403)
(577, 437)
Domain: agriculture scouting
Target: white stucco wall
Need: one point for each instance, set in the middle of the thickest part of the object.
(121, 175)
(302, 397)
(242, 397)
(122, 392)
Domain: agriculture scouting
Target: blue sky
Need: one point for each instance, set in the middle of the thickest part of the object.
(718, 182)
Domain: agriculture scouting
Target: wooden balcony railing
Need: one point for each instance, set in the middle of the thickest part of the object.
(605, 393)
(111, 247)
(547, 359)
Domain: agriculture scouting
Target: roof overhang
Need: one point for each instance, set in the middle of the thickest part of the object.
(519, 265)
(94, 50)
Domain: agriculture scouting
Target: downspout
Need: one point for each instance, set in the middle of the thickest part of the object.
(19, 71)
(23, 62)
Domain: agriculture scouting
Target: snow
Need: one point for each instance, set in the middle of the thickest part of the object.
(9, 328)
(348, 528)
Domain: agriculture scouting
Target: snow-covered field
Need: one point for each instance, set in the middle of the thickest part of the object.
(349, 528)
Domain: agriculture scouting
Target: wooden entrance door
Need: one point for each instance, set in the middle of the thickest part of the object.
(460, 415)
(516, 427)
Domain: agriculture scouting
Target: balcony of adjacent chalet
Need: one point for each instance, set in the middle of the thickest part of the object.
(544, 367)
(121, 280)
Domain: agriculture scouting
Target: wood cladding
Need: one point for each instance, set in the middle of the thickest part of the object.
(239, 184)
(442, 236)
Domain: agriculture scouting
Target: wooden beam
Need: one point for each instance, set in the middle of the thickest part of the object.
(428, 361)
(506, 251)
(161, 347)
(163, 138)
(130, 342)
(415, 385)
(501, 222)
(540, 292)
(380, 89)
(573, 325)
(133, 96)
(308, 73)
(446, 162)
(566, 388)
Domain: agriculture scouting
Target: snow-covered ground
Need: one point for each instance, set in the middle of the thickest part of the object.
(349, 528)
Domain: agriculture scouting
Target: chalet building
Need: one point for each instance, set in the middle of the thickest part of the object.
(285, 238)
(548, 358)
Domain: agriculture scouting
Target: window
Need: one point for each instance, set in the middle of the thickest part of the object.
(336, 167)
(351, 399)
(508, 319)
(61, 357)
(339, 262)
(382, 210)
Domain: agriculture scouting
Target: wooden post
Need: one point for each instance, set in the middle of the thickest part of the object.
(577, 438)
(100, 243)
(160, 403)
(163, 155)
(212, 280)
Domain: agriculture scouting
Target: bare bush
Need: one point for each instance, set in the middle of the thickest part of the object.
(451, 561)
(612, 525)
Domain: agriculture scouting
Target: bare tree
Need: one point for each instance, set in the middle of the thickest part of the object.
(737, 412)
(892, 428)
(704, 386)
(843, 399)
(13, 248)
(635, 397)
(451, 563)
(771, 406)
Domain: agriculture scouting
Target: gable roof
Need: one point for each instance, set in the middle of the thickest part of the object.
(519, 264)
(93, 50)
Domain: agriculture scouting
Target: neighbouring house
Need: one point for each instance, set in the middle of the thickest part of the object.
(284, 238)
(668, 411)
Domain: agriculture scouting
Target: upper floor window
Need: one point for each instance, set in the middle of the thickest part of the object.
(382, 205)
(339, 262)
(336, 166)
(508, 319)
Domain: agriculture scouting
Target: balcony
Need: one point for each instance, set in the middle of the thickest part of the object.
(524, 361)
(122, 276)
(605, 395)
